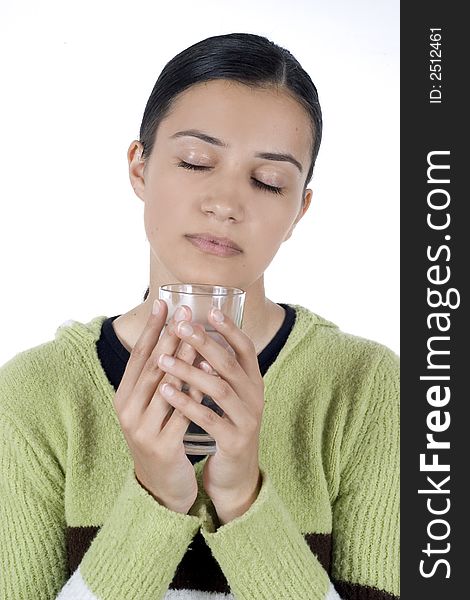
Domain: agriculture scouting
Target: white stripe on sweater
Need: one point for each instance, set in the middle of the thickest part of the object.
(196, 595)
(77, 589)
(332, 594)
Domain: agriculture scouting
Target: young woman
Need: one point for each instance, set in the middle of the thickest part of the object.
(301, 499)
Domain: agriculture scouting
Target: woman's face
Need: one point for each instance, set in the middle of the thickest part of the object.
(224, 198)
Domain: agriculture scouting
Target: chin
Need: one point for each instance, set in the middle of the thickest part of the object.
(179, 271)
(207, 278)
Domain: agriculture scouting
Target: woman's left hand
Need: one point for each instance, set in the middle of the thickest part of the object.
(231, 476)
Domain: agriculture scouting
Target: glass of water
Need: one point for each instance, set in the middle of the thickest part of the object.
(201, 298)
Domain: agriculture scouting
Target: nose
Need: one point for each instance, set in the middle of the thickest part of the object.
(223, 203)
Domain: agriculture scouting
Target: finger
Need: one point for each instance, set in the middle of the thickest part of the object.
(195, 394)
(242, 345)
(176, 423)
(177, 382)
(225, 363)
(158, 410)
(142, 350)
(186, 353)
(216, 426)
(150, 374)
(192, 392)
(207, 368)
(215, 387)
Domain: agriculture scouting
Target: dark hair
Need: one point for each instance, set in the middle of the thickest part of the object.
(250, 59)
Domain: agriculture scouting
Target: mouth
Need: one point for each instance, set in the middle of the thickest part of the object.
(215, 239)
(214, 245)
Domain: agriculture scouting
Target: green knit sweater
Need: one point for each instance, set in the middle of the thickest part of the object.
(75, 523)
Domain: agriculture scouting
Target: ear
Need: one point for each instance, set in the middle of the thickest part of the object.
(136, 168)
(302, 211)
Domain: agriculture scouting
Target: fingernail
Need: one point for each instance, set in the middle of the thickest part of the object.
(185, 328)
(156, 307)
(217, 315)
(166, 361)
(205, 367)
(180, 314)
(167, 389)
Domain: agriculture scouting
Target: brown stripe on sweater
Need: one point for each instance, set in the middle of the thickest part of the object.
(354, 591)
(198, 561)
(320, 545)
(190, 573)
(195, 566)
(78, 540)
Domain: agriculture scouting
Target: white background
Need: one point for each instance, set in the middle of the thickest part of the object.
(75, 81)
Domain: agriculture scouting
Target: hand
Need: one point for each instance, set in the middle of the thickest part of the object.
(231, 476)
(153, 430)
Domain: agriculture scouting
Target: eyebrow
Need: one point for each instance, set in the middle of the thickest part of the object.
(280, 156)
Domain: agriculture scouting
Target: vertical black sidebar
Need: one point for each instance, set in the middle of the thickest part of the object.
(435, 357)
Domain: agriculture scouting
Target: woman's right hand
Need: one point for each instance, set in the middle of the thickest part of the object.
(153, 432)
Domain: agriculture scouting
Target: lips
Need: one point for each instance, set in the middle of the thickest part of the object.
(221, 241)
(213, 248)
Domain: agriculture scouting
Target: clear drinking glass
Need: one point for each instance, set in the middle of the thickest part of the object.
(201, 298)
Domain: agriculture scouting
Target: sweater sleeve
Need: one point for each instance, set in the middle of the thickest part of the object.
(366, 513)
(263, 553)
(136, 552)
(134, 555)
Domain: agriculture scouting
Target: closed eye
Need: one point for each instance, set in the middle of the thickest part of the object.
(256, 183)
(186, 165)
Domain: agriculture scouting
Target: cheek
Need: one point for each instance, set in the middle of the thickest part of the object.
(267, 239)
(163, 204)
(274, 222)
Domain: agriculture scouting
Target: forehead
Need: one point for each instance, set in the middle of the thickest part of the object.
(252, 118)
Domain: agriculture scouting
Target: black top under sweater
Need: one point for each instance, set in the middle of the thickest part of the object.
(114, 356)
